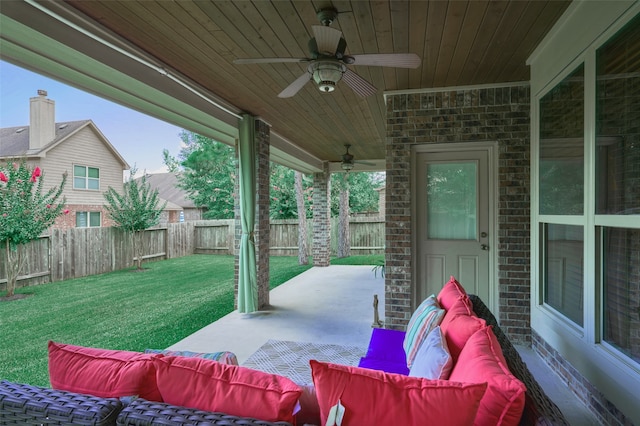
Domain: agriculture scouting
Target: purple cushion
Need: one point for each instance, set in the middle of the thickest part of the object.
(384, 365)
(385, 352)
(387, 344)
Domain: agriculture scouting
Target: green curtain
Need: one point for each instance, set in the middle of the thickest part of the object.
(247, 274)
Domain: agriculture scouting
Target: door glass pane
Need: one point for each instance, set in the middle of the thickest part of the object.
(452, 201)
(564, 271)
(621, 276)
(618, 123)
(562, 147)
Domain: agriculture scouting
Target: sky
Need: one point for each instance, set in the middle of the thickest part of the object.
(139, 138)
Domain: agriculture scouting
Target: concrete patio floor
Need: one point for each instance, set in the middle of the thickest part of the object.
(334, 305)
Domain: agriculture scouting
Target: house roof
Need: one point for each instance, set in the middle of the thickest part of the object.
(14, 141)
(168, 189)
(169, 205)
(175, 61)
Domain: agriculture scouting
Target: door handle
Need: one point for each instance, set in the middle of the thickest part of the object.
(484, 247)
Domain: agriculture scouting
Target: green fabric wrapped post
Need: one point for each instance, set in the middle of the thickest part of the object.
(247, 274)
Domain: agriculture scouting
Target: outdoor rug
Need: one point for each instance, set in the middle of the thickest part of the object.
(291, 359)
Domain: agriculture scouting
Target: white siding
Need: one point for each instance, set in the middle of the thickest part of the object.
(84, 148)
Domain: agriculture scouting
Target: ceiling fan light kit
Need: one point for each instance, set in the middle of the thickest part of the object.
(347, 159)
(326, 74)
(328, 61)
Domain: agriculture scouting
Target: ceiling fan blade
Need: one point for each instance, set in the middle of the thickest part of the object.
(396, 60)
(327, 39)
(366, 163)
(295, 87)
(268, 60)
(358, 84)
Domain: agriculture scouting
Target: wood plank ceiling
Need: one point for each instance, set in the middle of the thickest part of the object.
(460, 43)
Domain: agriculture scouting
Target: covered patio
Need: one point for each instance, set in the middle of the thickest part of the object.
(507, 88)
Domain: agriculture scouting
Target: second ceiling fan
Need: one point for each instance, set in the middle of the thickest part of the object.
(328, 61)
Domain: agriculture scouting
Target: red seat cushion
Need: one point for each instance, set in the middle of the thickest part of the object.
(211, 386)
(372, 397)
(102, 372)
(450, 293)
(481, 360)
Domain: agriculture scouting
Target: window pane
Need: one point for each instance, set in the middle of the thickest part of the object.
(563, 270)
(94, 219)
(81, 219)
(562, 147)
(621, 276)
(451, 201)
(94, 173)
(79, 171)
(618, 123)
(93, 184)
(79, 183)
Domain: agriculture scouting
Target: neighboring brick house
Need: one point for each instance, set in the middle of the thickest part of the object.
(78, 148)
(180, 208)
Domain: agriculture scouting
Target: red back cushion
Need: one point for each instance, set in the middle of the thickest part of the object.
(102, 372)
(458, 329)
(482, 360)
(450, 293)
(373, 397)
(211, 386)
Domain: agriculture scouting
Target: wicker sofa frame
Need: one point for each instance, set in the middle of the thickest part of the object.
(22, 404)
(539, 409)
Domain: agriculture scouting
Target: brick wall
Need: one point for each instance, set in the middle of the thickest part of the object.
(68, 221)
(321, 250)
(465, 115)
(602, 408)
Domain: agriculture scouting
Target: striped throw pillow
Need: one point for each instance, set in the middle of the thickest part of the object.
(427, 317)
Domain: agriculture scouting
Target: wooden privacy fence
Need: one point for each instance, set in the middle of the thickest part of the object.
(79, 252)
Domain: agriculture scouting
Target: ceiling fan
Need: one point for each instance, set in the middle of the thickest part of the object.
(328, 61)
(348, 161)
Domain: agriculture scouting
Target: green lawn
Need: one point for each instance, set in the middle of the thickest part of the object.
(126, 309)
(121, 310)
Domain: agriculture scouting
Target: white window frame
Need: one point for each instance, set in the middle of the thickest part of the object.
(89, 214)
(86, 177)
(586, 27)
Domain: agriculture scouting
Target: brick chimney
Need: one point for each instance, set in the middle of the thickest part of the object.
(42, 126)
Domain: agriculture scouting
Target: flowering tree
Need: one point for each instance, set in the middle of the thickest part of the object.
(135, 210)
(25, 213)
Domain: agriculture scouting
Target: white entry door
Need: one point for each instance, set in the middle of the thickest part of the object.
(454, 232)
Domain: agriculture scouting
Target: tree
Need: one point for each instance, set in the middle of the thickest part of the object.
(134, 211)
(303, 251)
(283, 195)
(173, 165)
(208, 174)
(362, 194)
(344, 236)
(26, 213)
